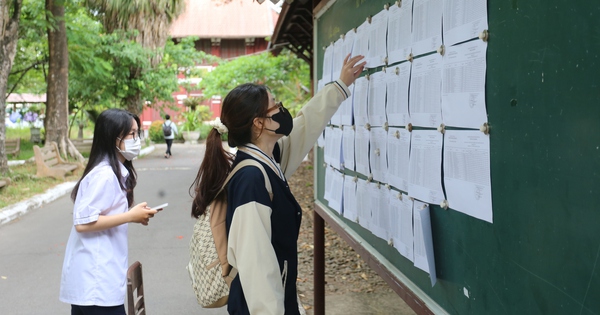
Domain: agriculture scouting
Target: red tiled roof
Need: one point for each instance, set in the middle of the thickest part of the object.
(235, 19)
(26, 98)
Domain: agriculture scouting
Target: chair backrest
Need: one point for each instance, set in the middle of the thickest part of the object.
(135, 290)
(48, 154)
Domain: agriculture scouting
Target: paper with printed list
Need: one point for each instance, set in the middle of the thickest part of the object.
(335, 179)
(467, 173)
(401, 223)
(361, 150)
(399, 32)
(361, 92)
(425, 166)
(350, 200)
(363, 202)
(463, 85)
(348, 147)
(427, 26)
(327, 64)
(424, 258)
(396, 81)
(377, 40)
(333, 147)
(378, 154)
(398, 149)
(345, 109)
(376, 99)
(463, 20)
(425, 102)
(361, 41)
(380, 216)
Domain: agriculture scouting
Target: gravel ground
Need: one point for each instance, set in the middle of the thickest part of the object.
(345, 271)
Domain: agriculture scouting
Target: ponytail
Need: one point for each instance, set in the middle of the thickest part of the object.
(241, 105)
(213, 171)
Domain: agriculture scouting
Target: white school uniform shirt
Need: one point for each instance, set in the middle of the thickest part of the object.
(95, 264)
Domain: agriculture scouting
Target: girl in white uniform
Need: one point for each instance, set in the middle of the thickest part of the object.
(94, 270)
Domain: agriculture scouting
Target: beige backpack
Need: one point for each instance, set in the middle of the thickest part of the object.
(209, 270)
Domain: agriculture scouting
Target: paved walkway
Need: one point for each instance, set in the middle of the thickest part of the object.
(161, 247)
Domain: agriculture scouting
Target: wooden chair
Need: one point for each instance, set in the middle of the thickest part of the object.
(13, 146)
(135, 290)
(49, 162)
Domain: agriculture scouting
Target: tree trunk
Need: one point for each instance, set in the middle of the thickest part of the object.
(57, 106)
(9, 26)
(134, 103)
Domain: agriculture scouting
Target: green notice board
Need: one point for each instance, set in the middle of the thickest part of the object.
(541, 254)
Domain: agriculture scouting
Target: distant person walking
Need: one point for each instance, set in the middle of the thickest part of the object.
(169, 132)
(95, 264)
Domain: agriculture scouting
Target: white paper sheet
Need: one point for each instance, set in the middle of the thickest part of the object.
(361, 41)
(345, 108)
(380, 212)
(333, 147)
(328, 183)
(327, 64)
(361, 92)
(378, 154)
(425, 91)
(399, 32)
(361, 150)
(327, 155)
(401, 223)
(376, 99)
(348, 147)
(463, 19)
(348, 45)
(425, 166)
(337, 60)
(424, 258)
(396, 80)
(363, 201)
(427, 26)
(350, 200)
(467, 173)
(336, 191)
(398, 149)
(463, 85)
(377, 39)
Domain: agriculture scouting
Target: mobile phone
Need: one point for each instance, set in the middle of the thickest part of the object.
(160, 206)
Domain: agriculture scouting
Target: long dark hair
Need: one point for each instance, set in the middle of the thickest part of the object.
(111, 124)
(240, 107)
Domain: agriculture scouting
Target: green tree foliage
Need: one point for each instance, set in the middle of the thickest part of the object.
(100, 64)
(30, 67)
(286, 75)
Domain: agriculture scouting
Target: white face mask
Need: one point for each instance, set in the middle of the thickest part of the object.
(132, 148)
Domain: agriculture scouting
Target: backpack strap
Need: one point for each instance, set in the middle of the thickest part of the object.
(218, 217)
(249, 162)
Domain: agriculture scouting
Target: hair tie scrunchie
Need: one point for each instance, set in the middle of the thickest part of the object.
(217, 124)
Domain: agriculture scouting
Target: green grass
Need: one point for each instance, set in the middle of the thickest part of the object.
(24, 184)
(27, 146)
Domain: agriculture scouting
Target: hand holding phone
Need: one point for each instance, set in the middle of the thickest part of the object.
(160, 207)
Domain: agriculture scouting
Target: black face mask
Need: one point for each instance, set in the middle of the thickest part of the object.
(285, 120)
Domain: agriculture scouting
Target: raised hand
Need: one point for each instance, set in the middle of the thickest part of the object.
(352, 69)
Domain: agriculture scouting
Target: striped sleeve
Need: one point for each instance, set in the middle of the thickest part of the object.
(309, 123)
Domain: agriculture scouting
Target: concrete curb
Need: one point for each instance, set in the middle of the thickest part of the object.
(12, 212)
